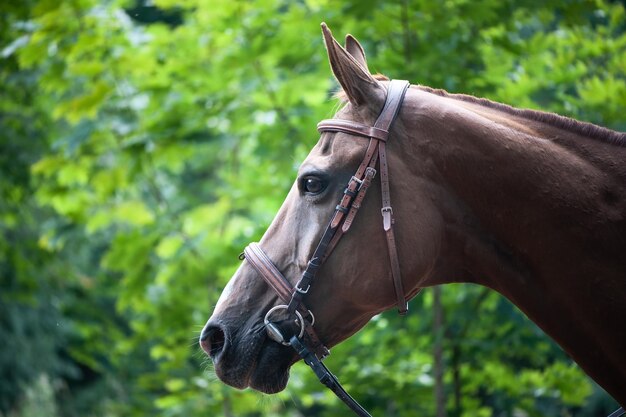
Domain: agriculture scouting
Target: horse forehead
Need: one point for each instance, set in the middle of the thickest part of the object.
(336, 148)
(340, 150)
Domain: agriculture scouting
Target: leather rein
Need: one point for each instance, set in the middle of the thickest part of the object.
(305, 341)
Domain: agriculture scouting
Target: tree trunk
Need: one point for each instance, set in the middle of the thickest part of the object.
(438, 329)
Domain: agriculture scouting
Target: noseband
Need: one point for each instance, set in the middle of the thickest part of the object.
(305, 341)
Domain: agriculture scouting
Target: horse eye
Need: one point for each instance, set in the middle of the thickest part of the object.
(311, 185)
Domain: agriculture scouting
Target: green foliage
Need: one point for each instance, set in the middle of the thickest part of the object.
(143, 145)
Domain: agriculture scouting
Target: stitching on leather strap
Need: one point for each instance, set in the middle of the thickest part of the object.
(353, 128)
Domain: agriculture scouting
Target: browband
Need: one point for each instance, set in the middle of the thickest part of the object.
(346, 126)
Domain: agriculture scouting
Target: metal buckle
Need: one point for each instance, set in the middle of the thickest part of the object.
(358, 181)
(370, 172)
(301, 291)
(274, 332)
(387, 213)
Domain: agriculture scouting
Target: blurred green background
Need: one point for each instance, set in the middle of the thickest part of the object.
(144, 143)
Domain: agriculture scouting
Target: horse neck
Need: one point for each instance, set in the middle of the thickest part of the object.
(532, 211)
(525, 185)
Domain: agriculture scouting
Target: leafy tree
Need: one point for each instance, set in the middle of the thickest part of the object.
(142, 145)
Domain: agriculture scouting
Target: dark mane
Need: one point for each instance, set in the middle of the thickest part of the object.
(582, 128)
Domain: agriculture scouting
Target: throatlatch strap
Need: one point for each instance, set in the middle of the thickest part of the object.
(395, 96)
(378, 135)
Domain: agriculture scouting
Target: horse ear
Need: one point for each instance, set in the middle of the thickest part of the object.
(355, 49)
(351, 71)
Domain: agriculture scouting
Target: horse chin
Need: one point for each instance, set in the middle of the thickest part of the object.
(272, 370)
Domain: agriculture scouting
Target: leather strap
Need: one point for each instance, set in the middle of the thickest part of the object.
(347, 126)
(327, 378)
(266, 268)
(395, 96)
(378, 135)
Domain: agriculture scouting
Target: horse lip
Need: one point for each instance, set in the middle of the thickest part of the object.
(232, 380)
(236, 377)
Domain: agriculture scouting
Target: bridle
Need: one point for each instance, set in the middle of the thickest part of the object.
(306, 342)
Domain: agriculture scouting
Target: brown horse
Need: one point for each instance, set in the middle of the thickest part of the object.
(529, 204)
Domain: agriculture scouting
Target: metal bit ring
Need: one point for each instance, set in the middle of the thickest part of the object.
(274, 332)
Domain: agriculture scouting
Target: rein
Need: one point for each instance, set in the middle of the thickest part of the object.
(306, 342)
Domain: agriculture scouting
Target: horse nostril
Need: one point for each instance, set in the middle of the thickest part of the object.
(212, 340)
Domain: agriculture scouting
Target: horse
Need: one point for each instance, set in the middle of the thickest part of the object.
(527, 203)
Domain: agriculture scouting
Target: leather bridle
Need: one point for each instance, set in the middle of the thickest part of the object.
(305, 341)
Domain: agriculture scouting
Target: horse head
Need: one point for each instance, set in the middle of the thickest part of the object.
(354, 283)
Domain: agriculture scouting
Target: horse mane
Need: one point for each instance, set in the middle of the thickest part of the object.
(562, 122)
